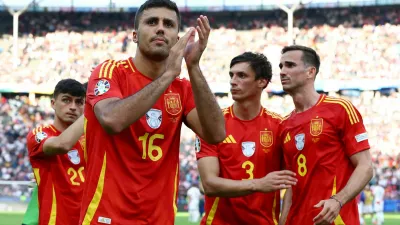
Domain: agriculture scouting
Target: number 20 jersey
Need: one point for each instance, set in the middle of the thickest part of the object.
(317, 146)
(132, 176)
(60, 178)
(249, 151)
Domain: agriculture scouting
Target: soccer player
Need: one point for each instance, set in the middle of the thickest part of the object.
(193, 195)
(56, 154)
(242, 166)
(379, 198)
(134, 112)
(325, 143)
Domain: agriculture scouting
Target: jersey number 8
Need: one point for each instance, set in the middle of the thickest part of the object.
(301, 162)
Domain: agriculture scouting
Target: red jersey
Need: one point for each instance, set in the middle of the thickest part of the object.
(60, 178)
(318, 144)
(249, 151)
(133, 175)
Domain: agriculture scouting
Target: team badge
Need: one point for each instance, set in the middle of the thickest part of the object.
(154, 118)
(248, 148)
(73, 155)
(40, 136)
(316, 126)
(197, 144)
(266, 138)
(300, 139)
(173, 103)
(101, 87)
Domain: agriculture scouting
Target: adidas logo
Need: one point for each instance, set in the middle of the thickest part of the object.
(229, 139)
(287, 138)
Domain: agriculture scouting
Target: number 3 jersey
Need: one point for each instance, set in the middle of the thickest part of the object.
(60, 178)
(249, 151)
(318, 144)
(132, 176)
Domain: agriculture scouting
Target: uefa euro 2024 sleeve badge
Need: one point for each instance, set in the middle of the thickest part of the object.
(40, 136)
(102, 87)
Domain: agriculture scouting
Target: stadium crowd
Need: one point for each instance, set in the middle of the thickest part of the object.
(347, 44)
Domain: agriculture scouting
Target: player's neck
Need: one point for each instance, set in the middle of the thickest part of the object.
(246, 110)
(59, 125)
(305, 99)
(147, 67)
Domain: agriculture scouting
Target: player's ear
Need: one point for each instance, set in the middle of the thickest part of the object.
(311, 72)
(262, 83)
(53, 101)
(135, 36)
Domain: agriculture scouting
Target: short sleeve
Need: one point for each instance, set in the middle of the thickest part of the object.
(354, 134)
(189, 99)
(203, 149)
(103, 83)
(35, 142)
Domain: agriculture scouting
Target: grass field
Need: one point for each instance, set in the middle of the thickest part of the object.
(181, 219)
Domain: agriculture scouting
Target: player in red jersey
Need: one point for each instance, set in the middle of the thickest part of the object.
(56, 154)
(245, 166)
(134, 113)
(325, 142)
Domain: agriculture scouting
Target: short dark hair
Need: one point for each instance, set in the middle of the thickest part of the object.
(85, 85)
(69, 86)
(310, 56)
(157, 4)
(258, 62)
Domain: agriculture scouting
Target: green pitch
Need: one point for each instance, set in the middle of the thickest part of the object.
(181, 219)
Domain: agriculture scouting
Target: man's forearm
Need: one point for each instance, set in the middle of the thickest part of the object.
(358, 180)
(221, 187)
(209, 112)
(66, 140)
(126, 111)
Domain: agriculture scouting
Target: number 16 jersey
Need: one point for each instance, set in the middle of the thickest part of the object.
(132, 176)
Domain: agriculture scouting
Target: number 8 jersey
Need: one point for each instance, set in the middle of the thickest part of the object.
(132, 176)
(317, 146)
(60, 178)
(249, 151)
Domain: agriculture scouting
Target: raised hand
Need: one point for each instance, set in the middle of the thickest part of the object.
(174, 61)
(194, 50)
(276, 181)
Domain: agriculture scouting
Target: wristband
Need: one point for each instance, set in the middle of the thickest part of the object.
(334, 198)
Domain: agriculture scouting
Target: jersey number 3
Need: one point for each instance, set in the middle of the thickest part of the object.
(249, 167)
(153, 151)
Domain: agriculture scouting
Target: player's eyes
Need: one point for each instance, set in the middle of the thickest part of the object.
(169, 24)
(66, 100)
(152, 22)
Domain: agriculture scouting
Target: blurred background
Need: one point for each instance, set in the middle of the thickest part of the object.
(42, 42)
